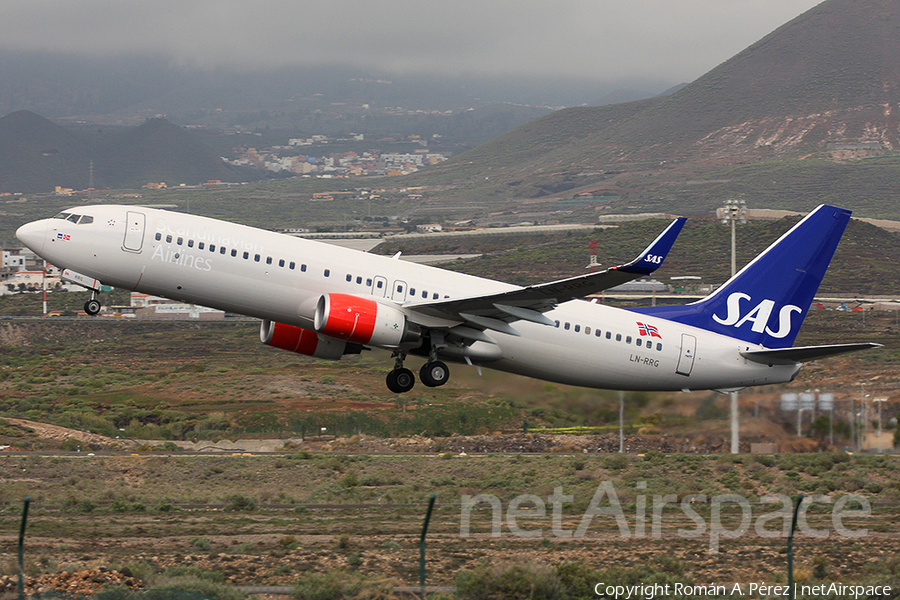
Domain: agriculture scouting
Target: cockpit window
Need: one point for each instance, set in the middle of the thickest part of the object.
(79, 219)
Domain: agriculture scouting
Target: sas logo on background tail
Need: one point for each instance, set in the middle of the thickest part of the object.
(650, 330)
(759, 315)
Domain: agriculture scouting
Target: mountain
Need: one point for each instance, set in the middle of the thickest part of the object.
(158, 150)
(784, 123)
(36, 155)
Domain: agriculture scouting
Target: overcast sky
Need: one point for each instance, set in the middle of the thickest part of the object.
(662, 40)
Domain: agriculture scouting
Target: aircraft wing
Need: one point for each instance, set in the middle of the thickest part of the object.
(496, 311)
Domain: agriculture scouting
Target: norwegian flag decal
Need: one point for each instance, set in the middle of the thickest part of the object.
(650, 330)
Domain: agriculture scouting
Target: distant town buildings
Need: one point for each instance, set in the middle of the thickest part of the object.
(23, 271)
(297, 158)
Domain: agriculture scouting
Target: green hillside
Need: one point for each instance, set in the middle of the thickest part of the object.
(764, 125)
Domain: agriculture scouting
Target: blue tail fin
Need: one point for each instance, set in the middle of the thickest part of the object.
(766, 301)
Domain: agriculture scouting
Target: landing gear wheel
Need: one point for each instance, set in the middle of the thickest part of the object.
(92, 306)
(434, 373)
(400, 380)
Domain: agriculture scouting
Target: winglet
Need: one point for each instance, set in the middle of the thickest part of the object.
(653, 255)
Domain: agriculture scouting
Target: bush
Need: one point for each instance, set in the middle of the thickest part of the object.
(615, 462)
(336, 585)
(209, 589)
(201, 543)
(237, 502)
(510, 581)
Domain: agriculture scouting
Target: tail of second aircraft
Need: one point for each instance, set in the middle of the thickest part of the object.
(766, 301)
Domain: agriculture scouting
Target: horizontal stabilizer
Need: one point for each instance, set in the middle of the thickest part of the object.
(786, 356)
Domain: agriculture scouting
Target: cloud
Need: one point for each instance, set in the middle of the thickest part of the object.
(675, 40)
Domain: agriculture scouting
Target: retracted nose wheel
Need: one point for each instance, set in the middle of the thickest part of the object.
(434, 373)
(400, 380)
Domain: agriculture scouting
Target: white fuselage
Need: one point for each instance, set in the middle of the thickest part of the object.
(280, 278)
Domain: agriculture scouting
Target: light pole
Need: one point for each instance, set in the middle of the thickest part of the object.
(855, 424)
(880, 401)
(733, 211)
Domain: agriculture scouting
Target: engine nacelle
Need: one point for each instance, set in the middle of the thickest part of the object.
(301, 341)
(364, 321)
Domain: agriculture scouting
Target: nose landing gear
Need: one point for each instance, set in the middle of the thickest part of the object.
(92, 306)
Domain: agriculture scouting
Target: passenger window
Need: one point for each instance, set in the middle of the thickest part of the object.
(618, 337)
(639, 342)
(212, 247)
(158, 237)
(628, 340)
(566, 326)
(190, 243)
(256, 257)
(556, 323)
(380, 285)
(659, 346)
(368, 283)
(597, 332)
(303, 268)
(358, 279)
(587, 331)
(609, 335)
(168, 239)
(268, 260)
(222, 250)
(234, 251)
(280, 262)
(425, 294)
(349, 278)
(291, 266)
(412, 291)
(200, 246)
(246, 255)
(327, 272)
(435, 296)
(577, 328)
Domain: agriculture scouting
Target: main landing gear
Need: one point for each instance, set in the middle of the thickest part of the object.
(92, 306)
(433, 373)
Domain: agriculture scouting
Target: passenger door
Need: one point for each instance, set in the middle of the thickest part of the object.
(686, 358)
(134, 232)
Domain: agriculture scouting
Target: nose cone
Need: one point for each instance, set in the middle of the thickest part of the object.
(33, 235)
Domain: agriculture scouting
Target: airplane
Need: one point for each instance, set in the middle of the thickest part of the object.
(325, 301)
